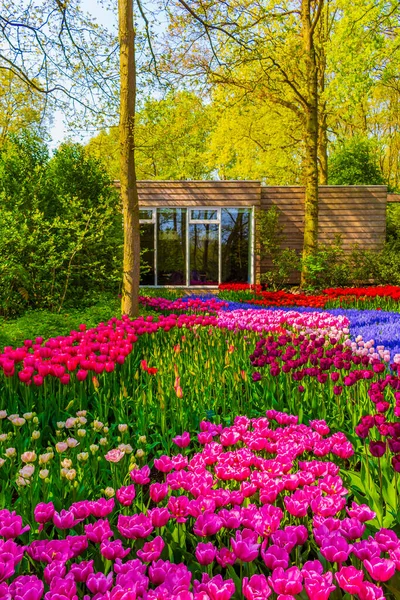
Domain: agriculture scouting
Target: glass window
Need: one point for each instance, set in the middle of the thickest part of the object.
(147, 274)
(204, 215)
(171, 246)
(204, 254)
(145, 214)
(235, 245)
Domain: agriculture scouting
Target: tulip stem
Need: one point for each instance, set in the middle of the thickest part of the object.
(380, 483)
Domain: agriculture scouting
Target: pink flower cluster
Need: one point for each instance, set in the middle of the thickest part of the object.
(344, 366)
(259, 492)
(212, 305)
(87, 352)
(387, 431)
(270, 320)
(314, 357)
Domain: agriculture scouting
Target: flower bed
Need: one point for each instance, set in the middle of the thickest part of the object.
(256, 512)
(377, 297)
(282, 506)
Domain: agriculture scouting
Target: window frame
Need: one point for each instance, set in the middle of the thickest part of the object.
(216, 221)
(190, 221)
(153, 216)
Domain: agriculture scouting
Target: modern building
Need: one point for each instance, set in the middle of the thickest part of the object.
(203, 233)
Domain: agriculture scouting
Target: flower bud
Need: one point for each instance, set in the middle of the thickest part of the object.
(82, 456)
(70, 475)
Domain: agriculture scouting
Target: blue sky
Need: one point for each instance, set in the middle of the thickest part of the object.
(107, 18)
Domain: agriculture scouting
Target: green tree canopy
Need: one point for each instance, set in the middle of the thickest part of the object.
(172, 136)
(355, 163)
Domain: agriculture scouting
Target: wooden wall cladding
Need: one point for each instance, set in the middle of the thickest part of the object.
(198, 193)
(356, 213)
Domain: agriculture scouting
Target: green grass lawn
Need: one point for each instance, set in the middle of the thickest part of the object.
(48, 324)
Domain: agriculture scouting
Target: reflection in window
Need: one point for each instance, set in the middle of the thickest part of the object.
(147, 276)
(235, 246)
(145, 214)
(171, 246)
(204, 215)
(204, 255)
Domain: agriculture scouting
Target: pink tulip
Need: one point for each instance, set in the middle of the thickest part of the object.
(134, 527)
(286, 582)
(225, 557)
(370, 591)
(319, 587)
(350, 579)
(113, 549)
(82, 570)
(275, 557)
(101, 507)
(44, 512)
(158, 491)
(98, 583)
(159, 516)
(98, 531)
(380, 569)
(126, 495)
(141, 476)
(207, 524)
(81, 375)
(245, 545)
(25, 587)
(256, 588)
(114, 455)
(205, 553)
(11, 525)
(151, 550)
(335, 549)
(182, 441)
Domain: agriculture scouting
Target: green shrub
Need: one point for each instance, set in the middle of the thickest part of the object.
(271, 247)
(60, 228)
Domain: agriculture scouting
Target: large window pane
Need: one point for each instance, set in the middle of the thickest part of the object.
(235, 242)
(171, 246)
(147, 254)
(203, 254)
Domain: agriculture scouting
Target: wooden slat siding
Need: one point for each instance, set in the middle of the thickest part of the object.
(357, 213)
(198, 193)
(393, 198)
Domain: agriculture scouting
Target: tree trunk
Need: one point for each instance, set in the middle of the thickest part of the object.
(323, 146)
(310, 142)
(129, 192)
(322, 41)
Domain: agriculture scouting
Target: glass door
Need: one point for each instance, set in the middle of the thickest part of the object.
(204, 256)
